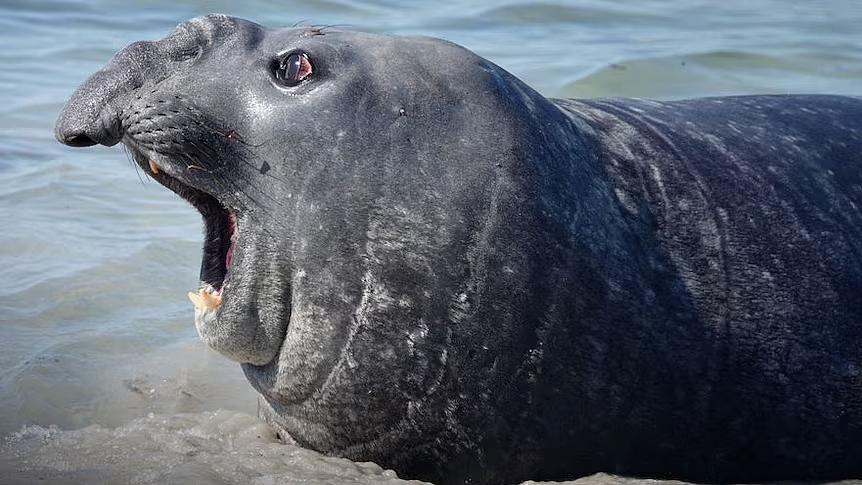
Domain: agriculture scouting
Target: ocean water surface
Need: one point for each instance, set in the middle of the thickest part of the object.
(102, 377)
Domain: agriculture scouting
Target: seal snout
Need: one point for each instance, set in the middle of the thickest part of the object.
(85, 122)
(93, 114)
(91, 117)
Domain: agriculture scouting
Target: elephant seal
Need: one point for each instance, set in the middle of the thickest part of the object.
(422, 262)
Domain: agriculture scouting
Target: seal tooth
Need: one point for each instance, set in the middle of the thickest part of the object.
(153, 167)
(212, 300)
(204, 300)
(196, 299)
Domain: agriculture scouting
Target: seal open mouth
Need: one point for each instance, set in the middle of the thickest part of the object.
(220, 228)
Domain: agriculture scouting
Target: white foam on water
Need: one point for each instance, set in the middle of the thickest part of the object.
(217, 447)
(209, 448)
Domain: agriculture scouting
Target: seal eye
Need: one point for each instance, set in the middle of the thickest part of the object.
(292, 68)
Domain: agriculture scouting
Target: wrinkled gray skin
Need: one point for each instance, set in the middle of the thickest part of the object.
(442, 271)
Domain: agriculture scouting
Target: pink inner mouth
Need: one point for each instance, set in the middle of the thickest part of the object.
(231, 228)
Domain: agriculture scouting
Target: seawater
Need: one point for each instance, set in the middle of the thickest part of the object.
(102, 378)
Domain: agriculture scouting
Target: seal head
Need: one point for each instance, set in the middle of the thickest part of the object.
(357, 240)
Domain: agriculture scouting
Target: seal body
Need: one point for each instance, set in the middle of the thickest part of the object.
(422, 262)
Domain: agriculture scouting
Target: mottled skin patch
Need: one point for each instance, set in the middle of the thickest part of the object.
(438, 269)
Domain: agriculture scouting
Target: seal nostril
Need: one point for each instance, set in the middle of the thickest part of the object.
(80, 140)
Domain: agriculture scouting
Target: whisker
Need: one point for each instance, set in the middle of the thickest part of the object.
(275, 201)
(241, 205)
(131, 158)
(230, 134)
(321, 28)
(234, 136)
(249, 213)
(209, 153)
